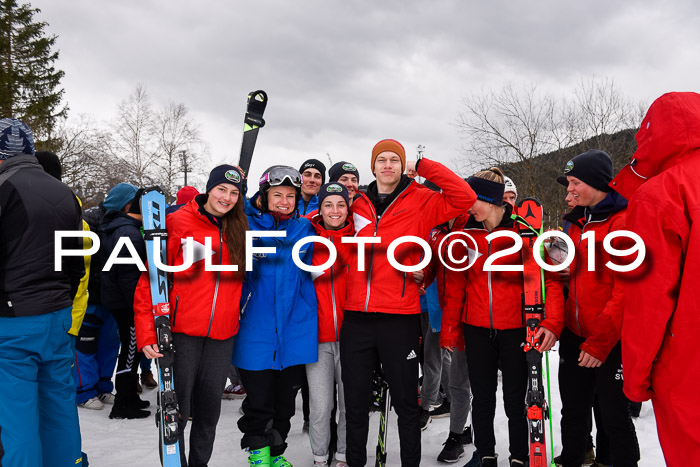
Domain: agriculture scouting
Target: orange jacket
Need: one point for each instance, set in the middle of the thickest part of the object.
(493, 299)
(202, 303)
(331, 284)
(414, 211)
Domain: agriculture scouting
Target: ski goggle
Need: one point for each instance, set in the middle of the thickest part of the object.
(277, 176)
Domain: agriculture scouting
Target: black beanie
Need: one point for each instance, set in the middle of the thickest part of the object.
(225, 174)
(330, 189)
(341, 168)
(135, 207)
(594, 168)
(487, 190)
(314, 164)
(50, 162)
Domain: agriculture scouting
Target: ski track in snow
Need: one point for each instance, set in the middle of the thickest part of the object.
(120, 443)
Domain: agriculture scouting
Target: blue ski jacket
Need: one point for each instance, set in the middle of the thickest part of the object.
(278, 325)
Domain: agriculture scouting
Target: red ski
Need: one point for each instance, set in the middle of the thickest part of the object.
(529, 219)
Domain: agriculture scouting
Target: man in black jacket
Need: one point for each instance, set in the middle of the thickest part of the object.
(117, 289)
(38, 416)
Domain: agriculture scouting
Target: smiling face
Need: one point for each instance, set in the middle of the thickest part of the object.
(583, 193)
(312, 182)
(334, 212)
(221, 199)
(570, 201)
(281, 199)
(351, 183)
(387, 168)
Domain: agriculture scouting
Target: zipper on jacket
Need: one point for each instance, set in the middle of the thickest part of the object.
(583, 230)
(490, 294)
(335, 313)
(245, 305)
(376, 227)
(218, 276)
(177, 300)
(403, 290)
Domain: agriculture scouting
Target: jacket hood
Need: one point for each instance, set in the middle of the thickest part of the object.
(115, 219)
(669, 133)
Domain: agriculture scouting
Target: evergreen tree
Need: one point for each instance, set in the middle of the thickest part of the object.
(29, 83)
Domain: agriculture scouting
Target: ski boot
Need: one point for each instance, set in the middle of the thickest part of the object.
(259, 457)
(280, 461)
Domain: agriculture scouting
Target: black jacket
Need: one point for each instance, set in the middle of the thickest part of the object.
(93, 217)
(33, 206)
(118, 285)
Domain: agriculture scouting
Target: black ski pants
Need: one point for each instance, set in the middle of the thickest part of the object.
(128, 361)
(366, 340)
(199, 372)
(578, 386)
(269, 407)
(486, 349)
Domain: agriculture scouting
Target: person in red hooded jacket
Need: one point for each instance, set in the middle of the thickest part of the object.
(332, 223)
(590, 361)
(204, 304)
(661, 318)
(488, 304)
(382, 312)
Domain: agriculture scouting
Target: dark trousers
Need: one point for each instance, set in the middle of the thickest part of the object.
(269, 407)
(367, 339)
(199, 372)
(578, 386)
(485, 350)
(128, 361)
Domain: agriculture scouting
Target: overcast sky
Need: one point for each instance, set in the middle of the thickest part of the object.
(341, 75)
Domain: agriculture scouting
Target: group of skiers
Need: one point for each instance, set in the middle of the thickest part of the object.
(356, 313)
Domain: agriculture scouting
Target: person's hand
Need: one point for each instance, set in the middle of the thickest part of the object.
(547, 339)
(587, 360)
(151, 351)
(418, 276)
(411, 169)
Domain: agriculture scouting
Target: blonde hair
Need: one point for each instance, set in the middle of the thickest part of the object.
(493, 174)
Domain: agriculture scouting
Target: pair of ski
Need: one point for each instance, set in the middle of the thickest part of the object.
(155, 234)
(529, 220)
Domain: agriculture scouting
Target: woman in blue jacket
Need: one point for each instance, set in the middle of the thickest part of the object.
(278, 330)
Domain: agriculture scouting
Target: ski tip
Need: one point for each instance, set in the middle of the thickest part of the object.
(259, 95)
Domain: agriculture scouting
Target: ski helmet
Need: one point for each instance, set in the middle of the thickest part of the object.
(279, 175)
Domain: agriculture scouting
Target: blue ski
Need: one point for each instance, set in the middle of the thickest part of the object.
(167, 414)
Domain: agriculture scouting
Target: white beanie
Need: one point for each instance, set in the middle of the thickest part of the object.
(510, 186)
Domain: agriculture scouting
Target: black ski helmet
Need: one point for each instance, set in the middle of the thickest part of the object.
(279, 175)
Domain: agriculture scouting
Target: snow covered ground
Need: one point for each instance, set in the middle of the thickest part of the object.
(122, 443)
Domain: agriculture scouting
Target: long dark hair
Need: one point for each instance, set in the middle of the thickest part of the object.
(235, 224)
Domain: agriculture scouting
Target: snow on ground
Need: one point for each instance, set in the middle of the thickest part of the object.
(126, 443)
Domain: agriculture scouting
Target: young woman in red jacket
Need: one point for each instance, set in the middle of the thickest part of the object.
(489, 305)
(204, 304)
(332, 223)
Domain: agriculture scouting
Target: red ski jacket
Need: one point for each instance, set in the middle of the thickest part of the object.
(436, 270)
(493, 299)
(662, 307)
(413, 210)
(595, 304)
(331, 284)
(202, 303)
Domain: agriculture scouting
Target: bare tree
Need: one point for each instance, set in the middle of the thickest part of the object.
(179, 145)
(508, 126)
(132, 137)
(531, 135)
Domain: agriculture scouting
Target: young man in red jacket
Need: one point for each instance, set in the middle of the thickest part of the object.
(590, 360)
(382, 317)
(660, 329)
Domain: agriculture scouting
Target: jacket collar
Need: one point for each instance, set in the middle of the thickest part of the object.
(506, 222)
(611, 204)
